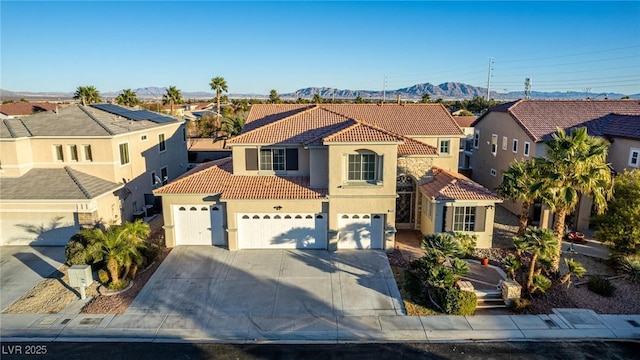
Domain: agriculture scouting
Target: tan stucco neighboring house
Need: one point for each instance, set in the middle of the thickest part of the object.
(466, 144)
(14, 110)
(329, 176)
(82, 165)
(517, 130)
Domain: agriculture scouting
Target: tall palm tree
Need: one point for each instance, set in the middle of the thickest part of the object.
(172, 97)
(517, 184)
(576, 164)
(87, 94)
(127, 98)
(219, 84)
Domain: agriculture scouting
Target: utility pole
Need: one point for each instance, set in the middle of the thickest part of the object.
(527, 88)
(489, 78)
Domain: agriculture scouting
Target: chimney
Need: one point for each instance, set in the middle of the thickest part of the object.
(398, 99)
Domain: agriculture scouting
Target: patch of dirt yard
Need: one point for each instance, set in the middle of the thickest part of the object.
(52, 295)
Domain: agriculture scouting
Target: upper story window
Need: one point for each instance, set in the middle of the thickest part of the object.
(271, 159)
(494, 144)
(362, 167)
(444, 146)
(634, 157)
(59, 152)
(124, 153)
(514, 148)
(184, 134)
(143, 137)
(504, 143)
(162, 146)
(527, 148)
(73, 150)
(476, 139)
(88, 155)
(464, 218)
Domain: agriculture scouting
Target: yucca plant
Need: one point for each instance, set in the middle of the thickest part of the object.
(630, 266)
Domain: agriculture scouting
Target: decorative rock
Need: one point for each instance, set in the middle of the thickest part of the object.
(511, 290)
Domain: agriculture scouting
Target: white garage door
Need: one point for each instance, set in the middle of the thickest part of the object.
(199, 225)
(282, 231)
(360, 231)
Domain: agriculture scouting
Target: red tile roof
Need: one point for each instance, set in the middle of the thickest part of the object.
(25, 108)
(361, 132)
(464, 121)
(541, 118)
(217, 177)
(414, 147)
(453, 186)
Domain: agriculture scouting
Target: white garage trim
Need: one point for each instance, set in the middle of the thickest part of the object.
(360, 231)
(199, 224)
(282, 231)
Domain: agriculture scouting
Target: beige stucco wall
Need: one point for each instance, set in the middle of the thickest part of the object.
(381, 205)
(319, 172)
(15, 156)
(444, 161)
(619, 153)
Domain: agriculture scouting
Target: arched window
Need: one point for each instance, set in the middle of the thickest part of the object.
(298, 217)
(245, 217)
(256, 217)
(319, 217)
(182, 208)
(267, 217)
(204, 208)
(287, 216)
(193, 208)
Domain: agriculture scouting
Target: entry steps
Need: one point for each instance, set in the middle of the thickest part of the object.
(489, 299)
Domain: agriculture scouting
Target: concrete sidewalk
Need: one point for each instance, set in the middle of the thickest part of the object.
(562, 324)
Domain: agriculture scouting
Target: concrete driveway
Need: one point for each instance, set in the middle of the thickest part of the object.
(205, 280)
(23, 267)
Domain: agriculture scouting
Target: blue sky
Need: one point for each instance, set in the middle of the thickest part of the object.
(258, 46)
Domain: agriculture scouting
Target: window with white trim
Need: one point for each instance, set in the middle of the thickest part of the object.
(124, 153)
(272, 159)
(143, 137)
(162, 145)
(476, 139)
(514, 147)
(527, 148)
(444, 146)
(362, 167)
(494, 144)
(634, 157)
(59, 151)
(505, 140)
(164, 174)
(494, 172)
(464, 218)
(88, 155)
(73, 150)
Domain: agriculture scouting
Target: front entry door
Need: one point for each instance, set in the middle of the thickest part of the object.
(405, 203)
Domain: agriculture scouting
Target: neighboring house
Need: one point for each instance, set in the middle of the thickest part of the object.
(21, 109)
(332, 177)
(81, 165)
(517, 130)
(206, 149)
(466, 144)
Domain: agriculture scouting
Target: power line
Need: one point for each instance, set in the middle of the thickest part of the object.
(570, 55)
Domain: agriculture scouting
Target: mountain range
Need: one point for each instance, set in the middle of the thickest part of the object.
(446, 91)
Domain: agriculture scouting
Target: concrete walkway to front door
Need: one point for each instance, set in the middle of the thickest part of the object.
(210, 281)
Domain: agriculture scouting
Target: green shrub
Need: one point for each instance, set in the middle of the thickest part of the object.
(630, 266)
(467, 242)
(75, 250)
(601, 286)
(520, 306)
(454, 301)
(115, 286)
(103, 276)
(466, 303)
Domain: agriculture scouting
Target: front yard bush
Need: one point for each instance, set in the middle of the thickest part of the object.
(601, 286)
(630, 266)
(103, 276)
(76, 250)
(520, 306)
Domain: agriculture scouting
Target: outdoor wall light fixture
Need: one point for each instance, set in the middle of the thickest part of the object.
(277, 207)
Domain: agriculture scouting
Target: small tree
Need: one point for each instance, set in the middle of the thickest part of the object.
(518, 184)
(426, 98)
(619, 227)
(538, 244)
(274, 98)
(317, 99)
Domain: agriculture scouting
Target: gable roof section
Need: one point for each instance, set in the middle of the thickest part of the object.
(25, 108)
(361, 132)
(262, 114)
(414, 147)
(625, 126)
(453, 186)
(55, 184)
(217, 177)
(75, 120)
(464, 121)
(540, 118)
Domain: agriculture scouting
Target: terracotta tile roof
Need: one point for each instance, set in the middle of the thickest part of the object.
(25, 108)
(361, 132)
(626, 126)
(453, 186)
(464, 121)
(414, 147)
(540, 118)
(409, 119)
(217, 177)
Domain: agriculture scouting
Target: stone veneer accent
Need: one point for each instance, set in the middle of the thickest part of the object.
(87, 220)
(510, 290)
(465, 286)
(418, 167)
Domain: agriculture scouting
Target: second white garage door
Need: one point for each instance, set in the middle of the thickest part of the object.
(360, 231)
(282, 231)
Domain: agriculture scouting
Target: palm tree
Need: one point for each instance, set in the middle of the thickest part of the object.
(573, 268)
(576, 164)
(540, 244)
(172, 97)
(232, 126)
(87, 94)
(219, 84)
(517, 184)
(119, 246)
(127, 98)
(317, 99)
(426, 98)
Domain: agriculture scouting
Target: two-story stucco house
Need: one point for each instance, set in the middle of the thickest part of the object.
(81, 165)
(517, 131)
(330, 176)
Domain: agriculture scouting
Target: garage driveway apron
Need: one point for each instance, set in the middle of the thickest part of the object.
(204, 281)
